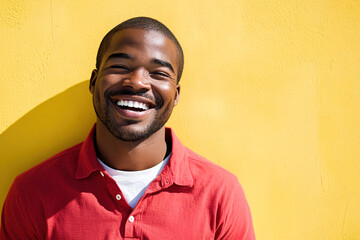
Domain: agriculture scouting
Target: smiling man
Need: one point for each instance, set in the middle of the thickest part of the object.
(131, 178)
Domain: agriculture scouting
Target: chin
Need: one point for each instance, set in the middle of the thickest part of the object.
(132, 134)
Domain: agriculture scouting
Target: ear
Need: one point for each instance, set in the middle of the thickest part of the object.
(177, 95)
(93, 78)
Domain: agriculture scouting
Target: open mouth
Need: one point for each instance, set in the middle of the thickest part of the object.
(132, 105)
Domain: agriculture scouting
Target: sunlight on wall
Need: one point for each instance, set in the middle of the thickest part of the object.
(270, 91)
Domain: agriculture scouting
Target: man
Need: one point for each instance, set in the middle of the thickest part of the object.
(131, 178)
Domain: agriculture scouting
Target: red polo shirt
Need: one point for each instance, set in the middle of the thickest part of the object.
(71, 196)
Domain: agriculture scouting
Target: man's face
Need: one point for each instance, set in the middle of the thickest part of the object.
(135, 88)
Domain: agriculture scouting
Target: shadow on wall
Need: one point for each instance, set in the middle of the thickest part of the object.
(52, 126)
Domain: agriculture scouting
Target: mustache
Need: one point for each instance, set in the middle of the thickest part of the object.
(129, 92)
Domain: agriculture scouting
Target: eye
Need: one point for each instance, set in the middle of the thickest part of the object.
(120, 68)
(160, 75)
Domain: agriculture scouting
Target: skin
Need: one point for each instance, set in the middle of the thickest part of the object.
(138, 65)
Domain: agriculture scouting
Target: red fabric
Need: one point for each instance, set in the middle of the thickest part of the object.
(66, 197)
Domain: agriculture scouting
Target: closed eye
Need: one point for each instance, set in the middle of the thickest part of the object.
(160, 75)
(120, 68)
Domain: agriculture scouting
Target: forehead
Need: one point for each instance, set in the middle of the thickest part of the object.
(144, 44)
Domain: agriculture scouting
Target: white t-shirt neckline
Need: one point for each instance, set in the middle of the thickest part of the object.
(134, 183)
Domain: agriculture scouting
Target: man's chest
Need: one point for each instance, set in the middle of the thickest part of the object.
(167, 214)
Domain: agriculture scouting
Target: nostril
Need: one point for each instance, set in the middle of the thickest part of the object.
(136, 83)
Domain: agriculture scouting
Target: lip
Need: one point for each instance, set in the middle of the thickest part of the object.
(144, 100)
(129, 114)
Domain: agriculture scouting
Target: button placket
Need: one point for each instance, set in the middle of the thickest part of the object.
(131, 225)
(118, 197)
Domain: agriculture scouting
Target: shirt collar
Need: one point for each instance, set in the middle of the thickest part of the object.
(178, 165)
(177, 168)
(88, 162)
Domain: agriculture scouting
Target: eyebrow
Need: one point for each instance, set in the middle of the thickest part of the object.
(119, 55)
(163, 63)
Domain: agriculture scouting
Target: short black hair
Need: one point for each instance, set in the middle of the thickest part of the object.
(145, 23)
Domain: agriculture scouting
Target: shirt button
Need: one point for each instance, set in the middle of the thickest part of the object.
(131, 219)
(102, 174)
(118, 196)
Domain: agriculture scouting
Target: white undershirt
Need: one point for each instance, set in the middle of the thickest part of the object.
(134, 183)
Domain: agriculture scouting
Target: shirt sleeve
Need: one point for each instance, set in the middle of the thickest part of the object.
(16, 221)
(234, 217)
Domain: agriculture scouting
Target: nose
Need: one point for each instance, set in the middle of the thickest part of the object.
(138, 80)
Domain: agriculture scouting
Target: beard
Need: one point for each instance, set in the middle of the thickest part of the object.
(123, 131)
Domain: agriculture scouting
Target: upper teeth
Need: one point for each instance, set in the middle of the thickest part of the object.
(133, 104)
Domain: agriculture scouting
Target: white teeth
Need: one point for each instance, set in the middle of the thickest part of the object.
(143, 106)
(133, 104)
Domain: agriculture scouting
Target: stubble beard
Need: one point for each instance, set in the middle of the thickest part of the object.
(127, 135)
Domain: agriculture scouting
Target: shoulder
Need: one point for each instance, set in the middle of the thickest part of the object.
(61, 164)
(24, 206)
(219, 184)
(227, 198)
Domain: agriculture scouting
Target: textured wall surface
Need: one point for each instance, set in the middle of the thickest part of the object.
(270, 91)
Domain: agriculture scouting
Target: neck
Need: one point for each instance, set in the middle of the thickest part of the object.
(129, 156)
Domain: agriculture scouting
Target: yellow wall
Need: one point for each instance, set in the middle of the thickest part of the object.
(270, 91)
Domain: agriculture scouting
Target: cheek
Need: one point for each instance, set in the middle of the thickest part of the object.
(104, 83)
(97, 100)
(107, 79)
(167, 91)
(98, 96)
